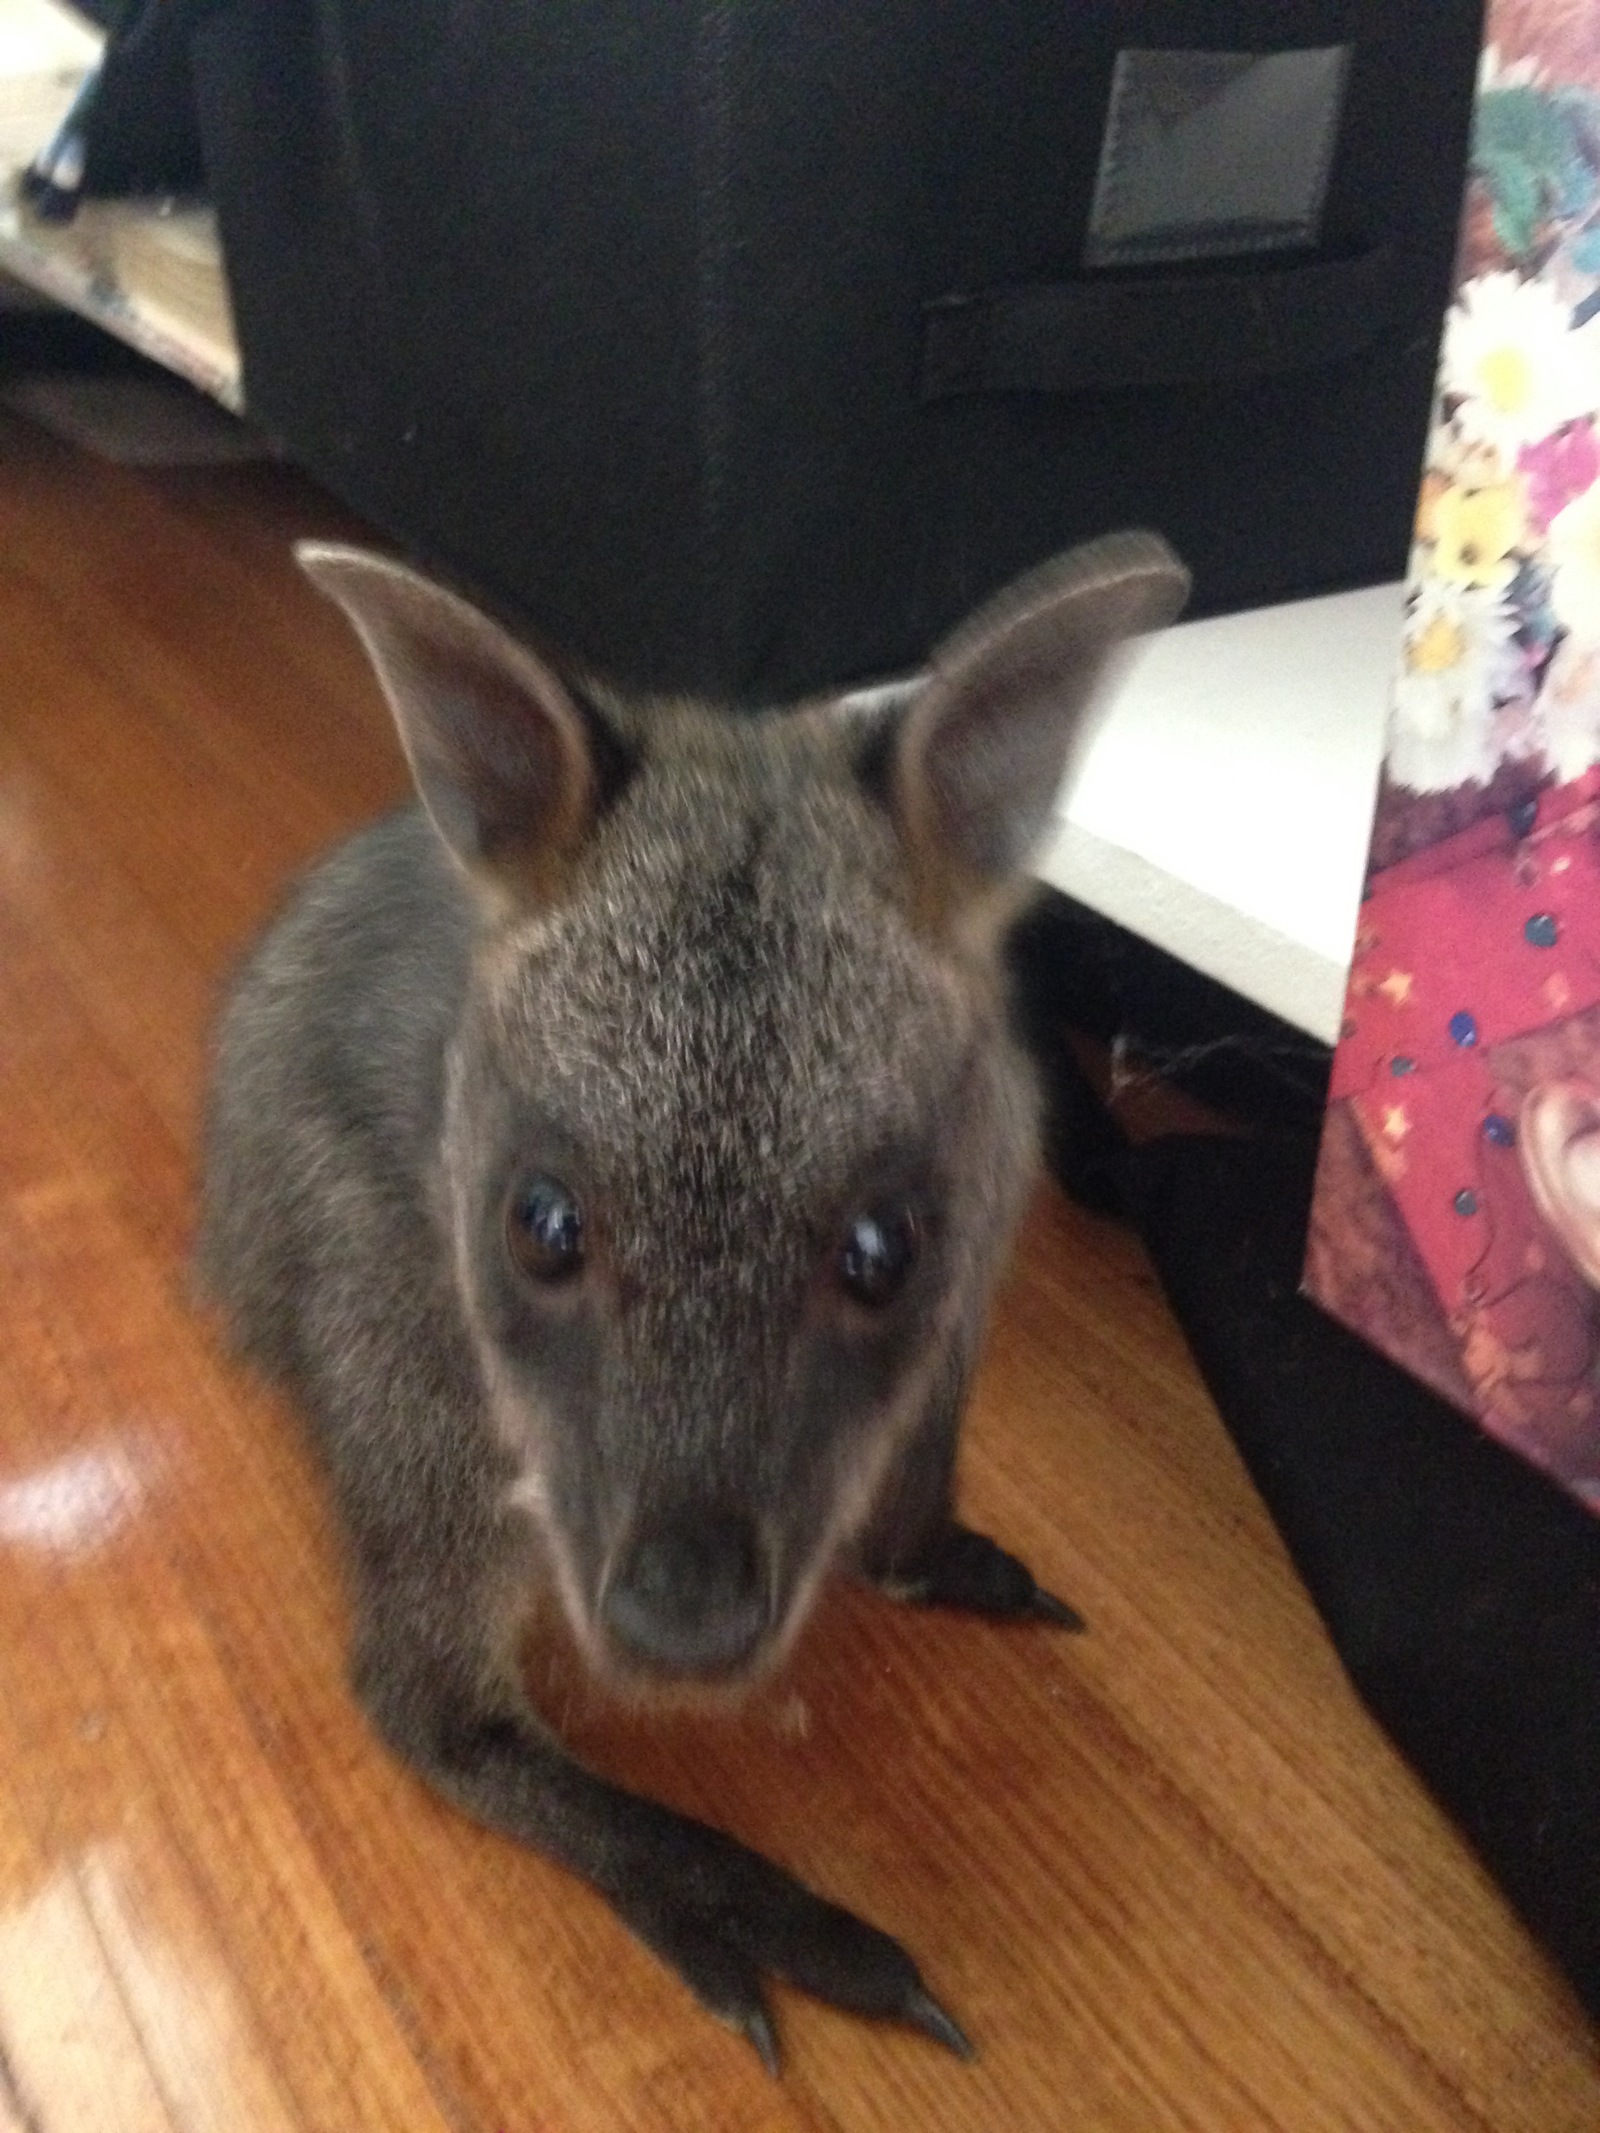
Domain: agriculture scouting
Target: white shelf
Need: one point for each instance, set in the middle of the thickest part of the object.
(1222, 808)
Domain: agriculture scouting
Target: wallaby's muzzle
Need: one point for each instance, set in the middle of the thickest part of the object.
(689, 1595)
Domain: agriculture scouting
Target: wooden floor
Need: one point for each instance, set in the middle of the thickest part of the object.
(1168, 1875)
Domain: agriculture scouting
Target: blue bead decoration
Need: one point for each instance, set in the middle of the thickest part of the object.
(1523, 816)
(1541, 931)
(1466, 1201)
(1400, 1064)
(1463, 1030)
(1499, 1129)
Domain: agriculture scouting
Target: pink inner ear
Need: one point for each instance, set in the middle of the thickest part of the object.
(996, 749)
(985, 750)
(993, 774)
(499, 750)
(499, 762)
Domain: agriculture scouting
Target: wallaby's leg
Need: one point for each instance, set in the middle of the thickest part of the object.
(916, 1549)
(436, 1671)
(960, 1568)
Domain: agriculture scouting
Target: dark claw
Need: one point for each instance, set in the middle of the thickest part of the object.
(756, 2024)
(1049, 1609)
(924, 2011)
(967, 1570)
(724, 1917)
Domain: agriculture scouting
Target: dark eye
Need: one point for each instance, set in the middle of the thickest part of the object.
(880, 1249)
(544, 1228)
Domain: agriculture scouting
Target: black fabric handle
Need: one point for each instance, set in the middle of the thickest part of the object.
(1102, 335)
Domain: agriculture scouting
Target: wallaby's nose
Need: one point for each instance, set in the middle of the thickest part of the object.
(690, 1596)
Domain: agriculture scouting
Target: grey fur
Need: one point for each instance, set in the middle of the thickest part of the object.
(735, 982)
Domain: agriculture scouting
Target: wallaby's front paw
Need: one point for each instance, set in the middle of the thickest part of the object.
(968, 1570)
(723, 1917)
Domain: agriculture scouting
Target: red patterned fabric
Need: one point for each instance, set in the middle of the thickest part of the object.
(1490, 937)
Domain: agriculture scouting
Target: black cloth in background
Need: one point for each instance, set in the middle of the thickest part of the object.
(142, 133)
(744, 348)
(1461, 1588)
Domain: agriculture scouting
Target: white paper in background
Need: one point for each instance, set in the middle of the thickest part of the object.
(1220, 803)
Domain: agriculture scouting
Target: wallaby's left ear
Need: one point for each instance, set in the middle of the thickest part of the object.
(507, 763)
(983, 747)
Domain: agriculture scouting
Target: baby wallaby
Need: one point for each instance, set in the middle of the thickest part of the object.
(613, 1156)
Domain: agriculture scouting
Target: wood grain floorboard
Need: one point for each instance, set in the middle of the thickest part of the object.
(1169, 1874)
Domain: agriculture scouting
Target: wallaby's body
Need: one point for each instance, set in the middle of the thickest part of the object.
(614, 1157)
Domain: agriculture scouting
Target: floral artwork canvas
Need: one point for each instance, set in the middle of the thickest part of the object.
(1456, 1222)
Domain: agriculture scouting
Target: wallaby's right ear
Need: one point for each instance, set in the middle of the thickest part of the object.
(981, 750)
(502, 754)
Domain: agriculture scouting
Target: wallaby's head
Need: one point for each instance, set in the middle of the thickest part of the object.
(735, 1131)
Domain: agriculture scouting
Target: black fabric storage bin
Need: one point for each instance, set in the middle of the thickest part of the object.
(740, 345)
(143, 136)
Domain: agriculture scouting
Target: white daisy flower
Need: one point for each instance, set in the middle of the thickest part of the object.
(1516, 366)
(1455, 663)
(1572, 547)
